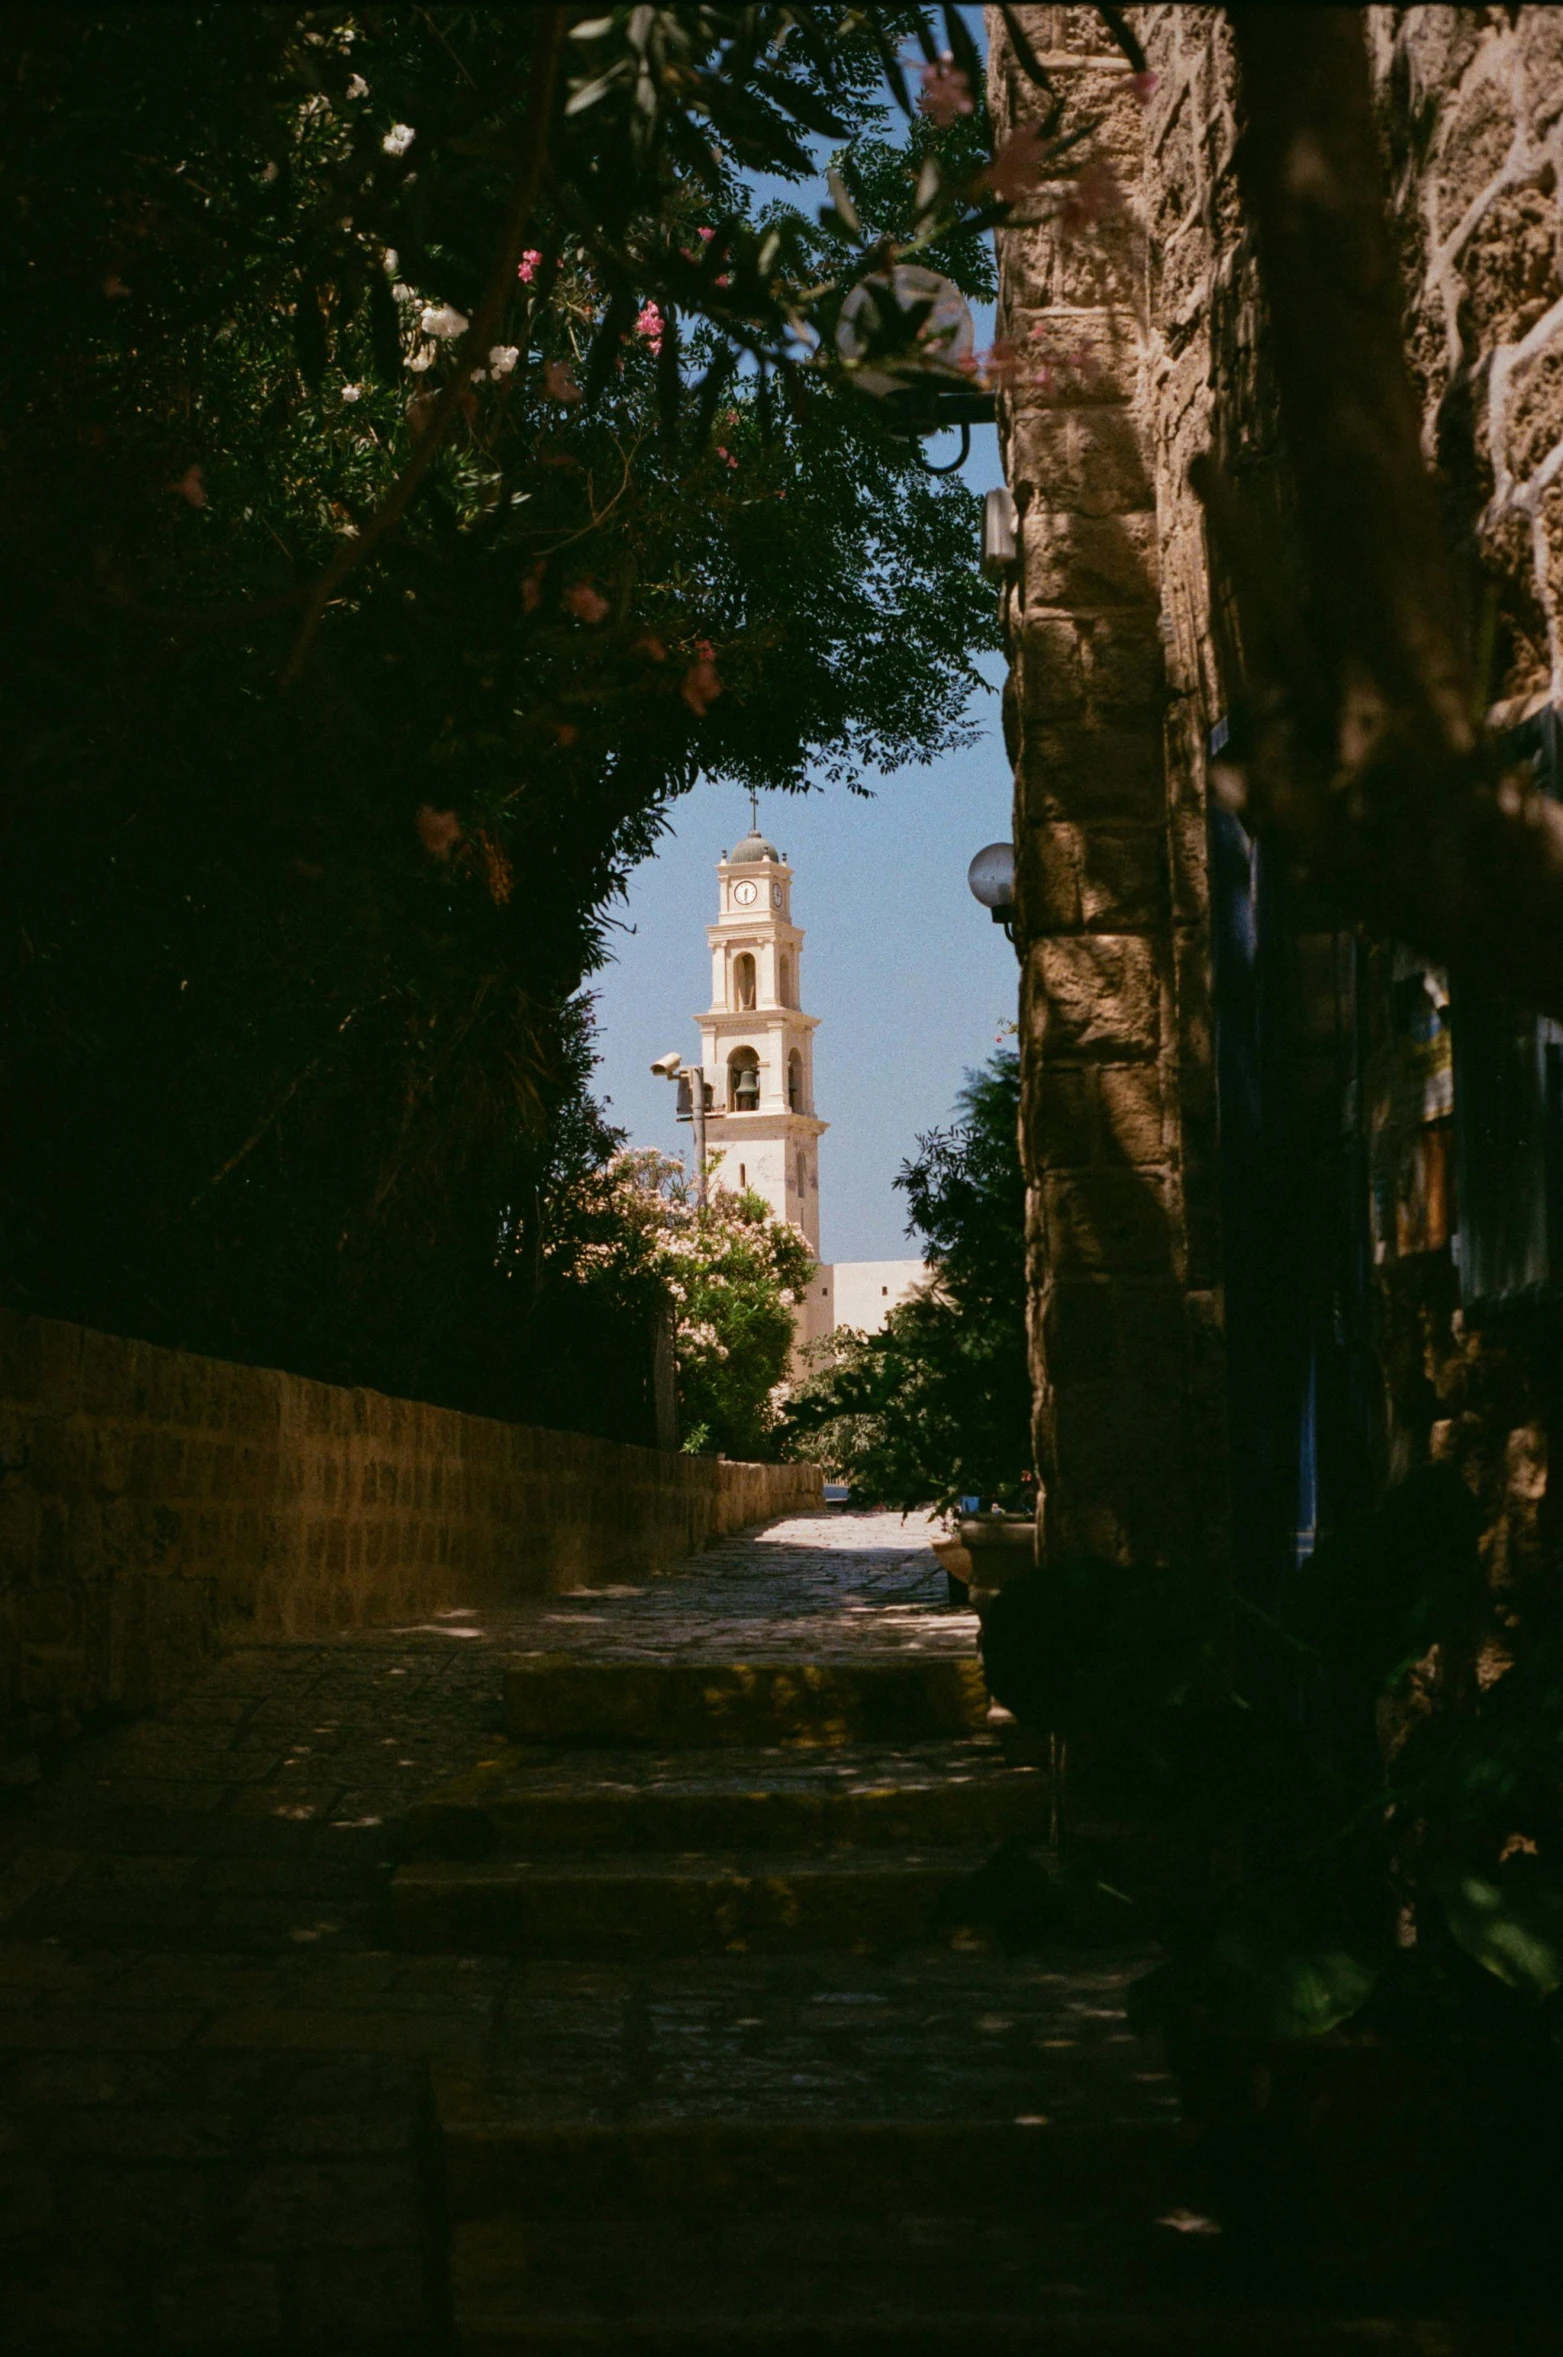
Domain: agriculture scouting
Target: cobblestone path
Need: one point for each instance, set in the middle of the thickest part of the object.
(345, 2006)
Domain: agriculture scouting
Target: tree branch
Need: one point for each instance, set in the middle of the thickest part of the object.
(481, 334)
(1369, 768)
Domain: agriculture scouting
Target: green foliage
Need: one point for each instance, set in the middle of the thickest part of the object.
(1414, 1889)
(347, 684)
(631, 1230)
(1410, 1889)
(938, 1404)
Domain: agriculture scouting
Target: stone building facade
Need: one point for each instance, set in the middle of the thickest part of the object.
(1246, 1141)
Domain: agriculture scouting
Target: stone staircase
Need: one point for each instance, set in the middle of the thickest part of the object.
(747, 2095)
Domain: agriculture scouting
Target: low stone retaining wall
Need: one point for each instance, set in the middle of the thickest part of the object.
(155, 1505)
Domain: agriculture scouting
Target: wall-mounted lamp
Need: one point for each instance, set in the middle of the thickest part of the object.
(1000, 524)
(694, 1103)
(907, 337)
(991, 878)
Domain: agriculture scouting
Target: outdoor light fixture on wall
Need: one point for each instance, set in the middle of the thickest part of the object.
(907, 336)
(991, 877)
(1000, 523)
(694, 1103)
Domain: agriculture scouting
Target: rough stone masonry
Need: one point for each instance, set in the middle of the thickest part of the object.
(1123, 658)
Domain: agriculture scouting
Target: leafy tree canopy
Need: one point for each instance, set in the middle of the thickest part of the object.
(421, 461)
(727, 1271)
(937, 1405)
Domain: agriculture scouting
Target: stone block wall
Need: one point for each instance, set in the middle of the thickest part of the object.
(155, 1505)
(1118, 1089)
(1125, 652)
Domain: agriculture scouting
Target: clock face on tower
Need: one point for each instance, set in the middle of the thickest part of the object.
(776, 896)
(744, 894)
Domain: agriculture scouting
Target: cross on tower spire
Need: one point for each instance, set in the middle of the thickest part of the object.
(754, 812)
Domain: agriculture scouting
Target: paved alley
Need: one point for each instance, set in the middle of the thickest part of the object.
(355, 2003)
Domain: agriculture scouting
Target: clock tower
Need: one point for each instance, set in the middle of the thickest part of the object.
(756, 1044)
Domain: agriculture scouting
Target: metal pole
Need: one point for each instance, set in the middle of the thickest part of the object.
(697, 1114)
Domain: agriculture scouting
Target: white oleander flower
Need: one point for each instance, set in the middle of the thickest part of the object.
(421, 359)
(502, 358)
(398, 139)
(352, 392)
(390, 261)
(358, 87)
(443, 320)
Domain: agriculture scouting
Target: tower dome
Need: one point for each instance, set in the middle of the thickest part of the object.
(753, 847)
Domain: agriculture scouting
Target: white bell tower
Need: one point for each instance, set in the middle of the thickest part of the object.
(756, 1044)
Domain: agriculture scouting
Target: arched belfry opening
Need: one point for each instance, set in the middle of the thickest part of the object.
(744, 982)
(743, 1081)
(795, 1102)
(784, 982)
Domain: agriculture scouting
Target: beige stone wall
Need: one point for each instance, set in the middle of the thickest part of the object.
(1118, 1088)
(1472, 110)
(156, 1505)
(1108, 732)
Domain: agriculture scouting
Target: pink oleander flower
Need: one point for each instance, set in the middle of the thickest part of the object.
(1002, 364)
(190, 486)
(585, 603)
(946, 93)
(701, 685)
(559, 384)
(1093, 196)
(652, 647)
(529, 264)
(706, 235)
(532, 586)
(439, 831)
(1019, 163)
(651, 325)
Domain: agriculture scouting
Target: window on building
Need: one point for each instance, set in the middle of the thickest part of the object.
(795, 1082)
(743, 1081)
(743, 981)
(784, 971)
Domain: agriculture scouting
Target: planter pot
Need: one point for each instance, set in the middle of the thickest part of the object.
(1343, 2166)
(957, 1569)
(1002, 1547)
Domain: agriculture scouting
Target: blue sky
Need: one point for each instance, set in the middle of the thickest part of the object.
(911, 980)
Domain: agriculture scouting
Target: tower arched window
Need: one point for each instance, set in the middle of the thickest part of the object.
(785, 984)
(743, 1081)
(743, 981)
(795, 1082)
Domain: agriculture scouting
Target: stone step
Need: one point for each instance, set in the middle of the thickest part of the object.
(497, 2165)
(673, 1704)
(897, 2285)
(703, 1905)
(710, 2064)
(523, 1804)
